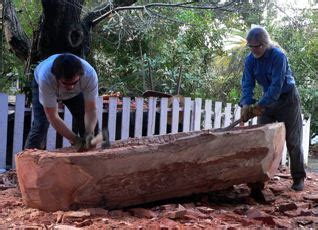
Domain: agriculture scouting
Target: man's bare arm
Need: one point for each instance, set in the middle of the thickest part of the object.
(59, 125)
(90, 116)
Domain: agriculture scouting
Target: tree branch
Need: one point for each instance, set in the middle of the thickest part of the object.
(178, 5)
(15, 36)
(91, 19)
(155, 14)
(97, 12)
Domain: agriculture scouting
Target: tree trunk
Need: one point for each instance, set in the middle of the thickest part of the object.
(62, 28)
(149, 169)
(15, 36)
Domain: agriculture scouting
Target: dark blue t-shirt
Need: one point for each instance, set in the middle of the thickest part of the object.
(272, 72)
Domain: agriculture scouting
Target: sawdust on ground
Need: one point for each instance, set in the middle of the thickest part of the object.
(230, 209)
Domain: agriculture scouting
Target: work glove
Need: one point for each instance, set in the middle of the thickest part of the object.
(82, 144)
(250, 111)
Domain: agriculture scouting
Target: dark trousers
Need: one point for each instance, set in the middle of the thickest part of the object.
(288, 110)
(38, 132)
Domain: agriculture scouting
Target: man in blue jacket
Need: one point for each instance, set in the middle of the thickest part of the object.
(268, 66)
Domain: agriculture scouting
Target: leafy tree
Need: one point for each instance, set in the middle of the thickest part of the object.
(161, 54)
(299, 38)
(32, 42)
(139, 45)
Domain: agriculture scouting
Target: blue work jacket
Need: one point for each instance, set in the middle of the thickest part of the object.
(272, 72)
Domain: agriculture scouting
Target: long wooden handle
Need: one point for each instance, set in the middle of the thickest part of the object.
(229, 127)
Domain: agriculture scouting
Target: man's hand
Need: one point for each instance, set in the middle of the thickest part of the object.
(257, 110)
(79, 144)
(82, 144)
(250, 111)
(88, 140)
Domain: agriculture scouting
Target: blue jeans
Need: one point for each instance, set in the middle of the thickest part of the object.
(288, 110)
(38, 132)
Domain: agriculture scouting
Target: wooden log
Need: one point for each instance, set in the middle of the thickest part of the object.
(143, 170)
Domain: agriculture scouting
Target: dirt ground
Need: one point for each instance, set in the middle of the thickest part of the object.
(281, 207)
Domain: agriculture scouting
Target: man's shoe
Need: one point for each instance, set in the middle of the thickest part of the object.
(298, 184)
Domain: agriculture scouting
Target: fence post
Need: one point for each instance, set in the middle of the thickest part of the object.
(125, 121)
(18, 126)
(306, 138)
(4, 110)
(217, 114)
(100, 111)
(228, 114)
(151, 116)
(68, 119)
(163, 115)
(175, 115)
(237, 112)
(187, 114)
(139, 116)
(51, 138)
(197, 114)
(112, 115)
(208, 114)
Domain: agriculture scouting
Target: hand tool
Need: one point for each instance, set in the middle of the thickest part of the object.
(229, 127)
(103, 138)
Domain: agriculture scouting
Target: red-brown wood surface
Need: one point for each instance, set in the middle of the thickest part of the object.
(149, 169)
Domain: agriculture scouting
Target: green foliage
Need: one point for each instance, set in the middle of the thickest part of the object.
(299, 38)
(12, 71)
(29, 14)
(164, 52)
(13, 79)
(138, 50)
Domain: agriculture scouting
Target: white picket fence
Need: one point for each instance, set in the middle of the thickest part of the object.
(196, 116)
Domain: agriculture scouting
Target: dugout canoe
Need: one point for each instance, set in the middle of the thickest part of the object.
(138, 171)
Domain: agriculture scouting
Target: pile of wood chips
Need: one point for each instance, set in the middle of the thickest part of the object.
(230, 209)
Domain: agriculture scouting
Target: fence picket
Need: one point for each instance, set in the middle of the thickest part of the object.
(163, 115)
(125, 121)
(186, 114)
(18, 126)
(151, 116)
(197, 114)
(228, 114)
(306, 138)
(254, 121)
(100, 111)
(208, 114)
(237, 112)
(51, 138)
(192, 117)
(4, 110)
(217, 114)
(139, 116)
(68, 119)
(112, 115)
(175, 115)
